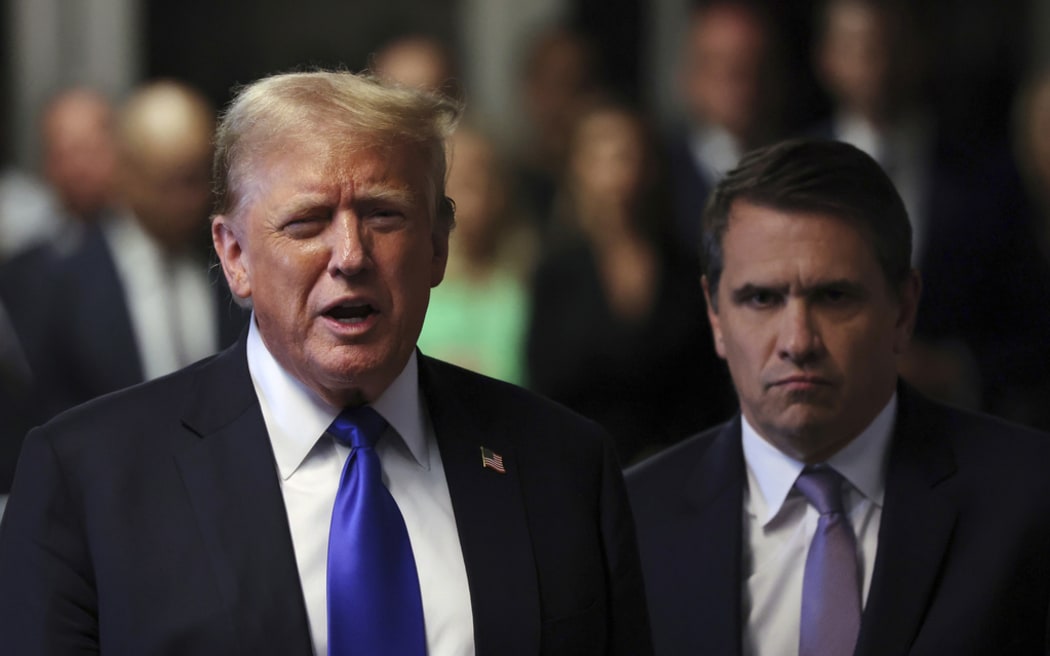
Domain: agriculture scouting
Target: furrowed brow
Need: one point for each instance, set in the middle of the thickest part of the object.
(845, 285)
(386, 195)
(746, 291)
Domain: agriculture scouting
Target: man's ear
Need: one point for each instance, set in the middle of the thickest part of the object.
(439, 242)
(712, 316)
(235, 265)
(439, 236)
(909, 293)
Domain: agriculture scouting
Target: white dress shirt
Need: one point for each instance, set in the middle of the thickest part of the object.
(779, 525)
(173, 312)
(310, 463)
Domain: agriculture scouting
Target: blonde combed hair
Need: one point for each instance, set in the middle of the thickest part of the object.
(329, 106)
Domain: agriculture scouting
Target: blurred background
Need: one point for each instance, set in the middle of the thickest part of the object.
(979, 52)
(594, 129)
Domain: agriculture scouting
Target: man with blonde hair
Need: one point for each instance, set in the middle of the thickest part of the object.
(322, 487)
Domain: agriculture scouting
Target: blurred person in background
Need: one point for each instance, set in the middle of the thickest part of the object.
(974, 334)
(559, 81)
(137, 298)
(1032, 150)
(617, 329)
(79, 164)
(868, 61)
(477, 316)
(418, 61)
(1030, 384)
(79, 159)
(729, 86)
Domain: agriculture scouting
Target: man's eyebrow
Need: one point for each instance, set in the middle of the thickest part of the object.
(748, 290)
(398, 195)
(838, 284)
(303, 202)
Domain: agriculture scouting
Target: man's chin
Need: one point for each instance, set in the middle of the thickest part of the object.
(360, 369)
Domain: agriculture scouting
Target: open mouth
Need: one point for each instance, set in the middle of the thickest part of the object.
(351, 313)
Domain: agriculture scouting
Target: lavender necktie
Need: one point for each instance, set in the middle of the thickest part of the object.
(374, 605)
(830, 586)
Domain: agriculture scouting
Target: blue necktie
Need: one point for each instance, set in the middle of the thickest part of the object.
(374, 605)
(830, 585)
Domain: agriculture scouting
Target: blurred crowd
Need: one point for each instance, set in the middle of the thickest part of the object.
(574, 261)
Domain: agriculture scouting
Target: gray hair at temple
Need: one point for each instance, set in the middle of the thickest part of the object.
(329, 106)
(818, 176)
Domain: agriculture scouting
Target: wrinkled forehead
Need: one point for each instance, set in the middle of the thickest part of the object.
(301, 158)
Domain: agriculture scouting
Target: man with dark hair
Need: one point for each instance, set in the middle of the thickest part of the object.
(321, 487)
(840, 512)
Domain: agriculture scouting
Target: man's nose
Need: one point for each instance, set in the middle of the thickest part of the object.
(350, 246)
(799, 339)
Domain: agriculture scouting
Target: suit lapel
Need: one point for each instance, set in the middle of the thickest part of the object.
(231, 479)
(917, 521)
(490, 518)
(717, 490)
(713, 538)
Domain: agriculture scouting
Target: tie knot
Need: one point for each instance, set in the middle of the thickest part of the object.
(822, 487)
(358, 427)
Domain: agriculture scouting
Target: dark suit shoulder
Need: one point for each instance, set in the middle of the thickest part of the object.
(971, 434)
(674, 463)
(138, 415)
(499, 405)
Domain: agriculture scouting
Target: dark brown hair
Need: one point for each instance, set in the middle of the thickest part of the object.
(813, 175)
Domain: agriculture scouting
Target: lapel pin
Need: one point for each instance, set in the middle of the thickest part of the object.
(492, 460)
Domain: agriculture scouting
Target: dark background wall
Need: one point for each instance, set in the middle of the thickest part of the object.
(219, 44)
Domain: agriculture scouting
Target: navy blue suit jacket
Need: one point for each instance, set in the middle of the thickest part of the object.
(151, 521)
(963, 561)
(91, 347)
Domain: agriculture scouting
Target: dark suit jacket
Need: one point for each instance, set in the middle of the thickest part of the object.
(25, 279)
(690, 187)
(91, 341)
(151, 521)
(963, 562)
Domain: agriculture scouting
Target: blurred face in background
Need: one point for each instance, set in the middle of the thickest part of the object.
(80, 152)
(165, 166)
(414, 61)
(169, 191)
(609, 161)
(1036, 135)
(558, 85)
(724, 72)
(857, 61)
(475, 184)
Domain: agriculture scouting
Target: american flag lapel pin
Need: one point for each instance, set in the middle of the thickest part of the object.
(492, 460)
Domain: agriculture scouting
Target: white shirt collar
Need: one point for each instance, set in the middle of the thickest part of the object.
(715, 150)
(296, 417)
(862, 462)
(906, 137)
